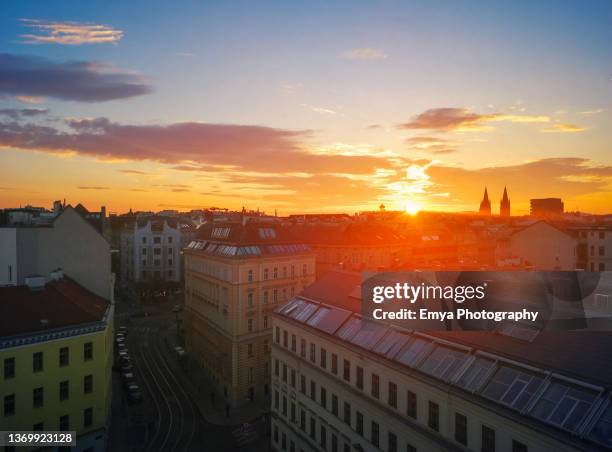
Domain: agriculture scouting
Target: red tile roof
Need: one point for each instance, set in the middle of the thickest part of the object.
(61, 303)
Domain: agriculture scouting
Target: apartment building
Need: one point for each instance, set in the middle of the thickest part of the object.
(150, 251)
(56, 359)
(342, 382)
(236, 274)
(70, 242)
(544, 246)
(595, 248)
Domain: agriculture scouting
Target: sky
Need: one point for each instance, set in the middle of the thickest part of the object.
(311, 106)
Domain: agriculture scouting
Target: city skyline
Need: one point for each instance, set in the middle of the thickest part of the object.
(301, 108)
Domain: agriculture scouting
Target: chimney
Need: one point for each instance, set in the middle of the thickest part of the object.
(35, 282)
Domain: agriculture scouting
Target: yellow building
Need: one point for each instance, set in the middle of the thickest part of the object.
(56, 359)
(235, 276)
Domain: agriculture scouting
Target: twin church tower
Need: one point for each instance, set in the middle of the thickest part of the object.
(504, 205)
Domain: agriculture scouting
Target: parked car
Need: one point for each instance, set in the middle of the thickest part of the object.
(134, 393)
(123, 330)
(127, 367)
(128, 378)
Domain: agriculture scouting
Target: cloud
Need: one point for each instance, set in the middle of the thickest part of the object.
(569, 178)
(292, 88)
(30, 99)
(364, 53)
(373, 126)
(93, 188)
(463, 120)
(592, 112)
(179, 190)
(135, 172)
(26, 75)
(18, 113)
(438, 146)
(69, 33)
(320, 110)
(564, 128)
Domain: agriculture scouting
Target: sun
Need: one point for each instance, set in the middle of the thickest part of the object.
(412, 207)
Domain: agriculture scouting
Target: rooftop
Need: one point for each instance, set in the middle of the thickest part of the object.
(60, 303)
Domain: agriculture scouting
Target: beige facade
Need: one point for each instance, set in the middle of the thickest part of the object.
(545, 247)
(228, 306)
(374, 388)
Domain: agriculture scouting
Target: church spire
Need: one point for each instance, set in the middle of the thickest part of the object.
(485, 204)
(504, 206)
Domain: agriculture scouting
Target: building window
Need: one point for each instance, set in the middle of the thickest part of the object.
(602, 251)
(9, 405)
(359, 381)
(157, 239)
(304, 269)
(313, 390)
(375, 437)
(37, 397)
(334, 364)
(37, 362)
(250, 300)
(88, 384)
(359, 423)
(265, 274)
(461, 429)
(392, 442)
(9, 368)
(517, 446)
(347, 413)
(64, 390)
(87, 417)
(313, 428)
(64, 422)
(284, 405)
(411, 404)
(303, 419)
(170, 241)
(334, 442)
(275, 274)
(64, 356)
(293, 343)
(323, 438)
(303, 348)
(392, 395)
(334, 407)
(285, 373)
(157, 251)
(250, 276)
(375, 386)
(265, 322)
(265, 297)
(292, 378)
(347, 370)
(277, 335)
(313, 353)
(276, 398)
(275, 296)
(276, 368)
(88, 351)
(302, 384)
(285, 339)
(488, 439)
(276, 433)
(250, 325)
(434, 416)
(323, 358)
(323, 397)
(250, 349)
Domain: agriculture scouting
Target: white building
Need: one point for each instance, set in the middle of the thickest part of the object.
(596, 243)
(543, 246)
(342, 382)
(150, 251)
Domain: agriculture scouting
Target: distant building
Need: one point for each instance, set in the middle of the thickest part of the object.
(595, 248)
(150, 251)
(543, 246)
(485, 204)
(546, 207)
(504, 205)
(56, 347)
(71, 242)
(235, 275)
(343, 382)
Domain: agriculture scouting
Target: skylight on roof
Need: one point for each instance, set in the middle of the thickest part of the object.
(220, 233)
(564, 405)
(267, 233)
(512, 387)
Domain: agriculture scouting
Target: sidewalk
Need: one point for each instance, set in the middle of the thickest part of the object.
(196, 384)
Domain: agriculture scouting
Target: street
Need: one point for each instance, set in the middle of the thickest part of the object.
(167, 419)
